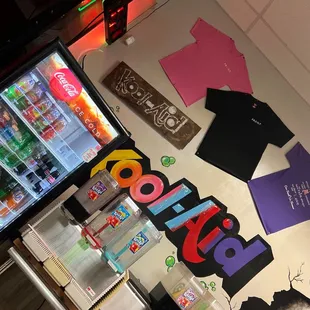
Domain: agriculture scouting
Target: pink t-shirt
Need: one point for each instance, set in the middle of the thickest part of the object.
(213, 61)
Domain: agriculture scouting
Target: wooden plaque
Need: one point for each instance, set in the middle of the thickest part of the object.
(156, 110)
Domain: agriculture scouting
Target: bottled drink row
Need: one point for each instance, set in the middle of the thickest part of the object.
(12, 194)
(30, 97)
(34, 137)
(22, 154)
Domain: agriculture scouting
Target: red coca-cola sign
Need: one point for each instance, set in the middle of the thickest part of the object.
(64, 85)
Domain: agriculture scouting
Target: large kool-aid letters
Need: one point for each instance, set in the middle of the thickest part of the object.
(205, 235)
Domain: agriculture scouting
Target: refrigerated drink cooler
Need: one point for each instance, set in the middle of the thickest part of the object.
(42, 139)
(53, 123)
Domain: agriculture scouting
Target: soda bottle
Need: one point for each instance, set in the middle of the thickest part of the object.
(7, 183)
(8, 125)
(50, 179)
(26, 83)
(13, 200)
(55, 174)
(4, 118)
(26, 151)
(43, 104)
(23, 103)
(37, 187)
(30, 162)
(16, 143)
(48, 133)
(60, 124)
(13, 93)
(40, 151)
(31, 114)
(49, 164)
(46, 159)
(52, 114)
(35, 181)
(3, 152)
(36, 92)
(20, 169)
(11, 160)
(7, 133)
(40, 172)
(40, 124)
(8, 158)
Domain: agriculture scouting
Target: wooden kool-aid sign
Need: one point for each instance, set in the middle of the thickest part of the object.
(156, 110)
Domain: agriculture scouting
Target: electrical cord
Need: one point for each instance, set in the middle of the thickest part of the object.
(83, 61)
(148, 15)
(40, 307)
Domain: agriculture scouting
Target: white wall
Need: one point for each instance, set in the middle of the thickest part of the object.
(281, 30)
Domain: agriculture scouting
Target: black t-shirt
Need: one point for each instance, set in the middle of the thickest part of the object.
(240, 132)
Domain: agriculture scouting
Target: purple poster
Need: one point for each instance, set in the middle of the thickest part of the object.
(283, 198)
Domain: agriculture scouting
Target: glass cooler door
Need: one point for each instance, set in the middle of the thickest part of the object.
(52, 124)
(27, 168)
(49, 126)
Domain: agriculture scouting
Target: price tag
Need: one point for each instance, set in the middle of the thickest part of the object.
(89, 155)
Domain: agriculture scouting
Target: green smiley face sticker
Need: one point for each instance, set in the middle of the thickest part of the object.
(170, 262)
(167, 161)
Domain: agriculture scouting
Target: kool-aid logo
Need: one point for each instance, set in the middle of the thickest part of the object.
(205, 234)
(65, 86)
(99, 188)
(96, 190)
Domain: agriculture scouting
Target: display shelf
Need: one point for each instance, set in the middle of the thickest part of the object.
(19, 180)
(47, 145)
(93, 276)
(58, 139)
(44, 81)
(22, 177)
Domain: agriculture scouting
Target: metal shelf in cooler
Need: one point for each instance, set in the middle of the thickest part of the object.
(23, 175)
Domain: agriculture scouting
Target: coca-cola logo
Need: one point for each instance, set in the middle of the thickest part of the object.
(65, 86)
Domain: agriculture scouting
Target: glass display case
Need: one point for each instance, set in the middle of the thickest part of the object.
(52, 122)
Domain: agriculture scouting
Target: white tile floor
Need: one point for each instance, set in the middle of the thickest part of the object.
(165, 32)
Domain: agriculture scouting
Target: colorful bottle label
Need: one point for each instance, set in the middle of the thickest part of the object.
(118, 216)
(18, 195)
(96, 190)
(138, 242)
(187, 298)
